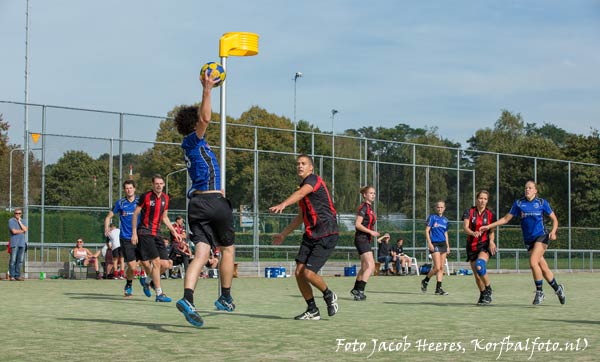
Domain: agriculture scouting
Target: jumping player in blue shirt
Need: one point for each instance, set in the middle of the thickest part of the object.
(210, 216)
(436, 233)
(531, 209)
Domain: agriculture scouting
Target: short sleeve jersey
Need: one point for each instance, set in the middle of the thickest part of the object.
(532, 216)
(399, 249)
(317, 208)
(439, 227)
(366, 212)
(125, 209)
(16, 240)
(153, 208)
(476, 221)
(201, 163)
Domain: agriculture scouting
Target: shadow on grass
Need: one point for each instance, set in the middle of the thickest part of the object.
(98, 296)
(461, 305)
(571, 321)
(152, 326)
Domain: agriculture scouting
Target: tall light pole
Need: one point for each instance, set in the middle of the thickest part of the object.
(333, 113)
(296, 76)
(10, 177)
(171, 173)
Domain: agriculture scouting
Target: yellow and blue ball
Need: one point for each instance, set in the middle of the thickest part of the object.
(213, 70)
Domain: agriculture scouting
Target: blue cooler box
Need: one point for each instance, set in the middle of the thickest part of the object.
(275, 272)
(350, 271)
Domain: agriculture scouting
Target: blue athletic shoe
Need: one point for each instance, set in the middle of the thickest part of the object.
(128, 291)
(190, 313)
(163, 298)
(147, 291)
(225, 304)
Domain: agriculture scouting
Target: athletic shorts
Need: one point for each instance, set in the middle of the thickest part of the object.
(314, 253)
(129, 251)
(151, 247)
(362, 243)
(118, 252)
(440, 247)
(211, 220)
(472, 255)
(545, 238)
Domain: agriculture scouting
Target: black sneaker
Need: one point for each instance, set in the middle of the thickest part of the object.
(560, 292)
(539, 297)
(481, 297)
(360, 295)
(441, 291)
(331, 301)
(309, 315)
(354, 292)
(424, 286)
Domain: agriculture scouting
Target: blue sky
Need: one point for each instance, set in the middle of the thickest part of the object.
(447, 64)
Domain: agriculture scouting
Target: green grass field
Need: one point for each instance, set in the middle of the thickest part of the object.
(74, 320)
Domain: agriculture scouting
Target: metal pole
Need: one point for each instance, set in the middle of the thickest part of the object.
(10, 177)
(296, 76)
(120, 155)
(569, 208)
(223, 127)
(255, 240)
(414, 194)
(26, 126)
(333, 112)
(458, 215)
(110, 174)
(498, 208)
(43, 193)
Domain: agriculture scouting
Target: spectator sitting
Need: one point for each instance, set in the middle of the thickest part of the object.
(180, 254)
(401, 259)
(384, 253)
(213, 262)
(84, 257)
(108, 260)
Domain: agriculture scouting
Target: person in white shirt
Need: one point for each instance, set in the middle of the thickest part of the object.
(115, 245)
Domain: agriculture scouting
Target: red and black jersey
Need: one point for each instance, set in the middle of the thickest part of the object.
(317, 209)
(366, 211)
(153, 208)
(477, 220)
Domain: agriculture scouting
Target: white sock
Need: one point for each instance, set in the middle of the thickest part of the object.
(158, 291)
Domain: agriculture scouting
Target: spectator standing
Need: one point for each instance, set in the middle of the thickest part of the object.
(17, 229)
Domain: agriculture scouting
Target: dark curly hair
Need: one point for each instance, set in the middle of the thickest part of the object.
(186, 120)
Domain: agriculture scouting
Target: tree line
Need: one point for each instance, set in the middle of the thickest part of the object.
(78, 179)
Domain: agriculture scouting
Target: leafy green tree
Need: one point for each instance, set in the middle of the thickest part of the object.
(76, 179)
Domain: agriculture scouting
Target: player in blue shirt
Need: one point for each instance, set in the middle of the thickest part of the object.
(124, 208)
(531, 209)
(210, 215)
(436, 233)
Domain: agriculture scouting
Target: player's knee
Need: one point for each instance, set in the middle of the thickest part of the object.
(480, 267)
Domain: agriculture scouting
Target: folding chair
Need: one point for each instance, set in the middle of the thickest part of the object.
(77, 264)
(446, 264)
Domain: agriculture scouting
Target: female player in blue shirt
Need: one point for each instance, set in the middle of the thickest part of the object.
(531, 210)
(436, 233)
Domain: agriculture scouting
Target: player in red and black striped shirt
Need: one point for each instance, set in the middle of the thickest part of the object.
(152, 209)
(319, 239)
(480, 244)
(364, 225)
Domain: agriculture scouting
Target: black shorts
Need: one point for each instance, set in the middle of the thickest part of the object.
(440, 247)
(118, 252)
(314, 253)
(544, 239)
(151, 247)
(211, 220)
(129, 251)
(473, 254)
(363, 243)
